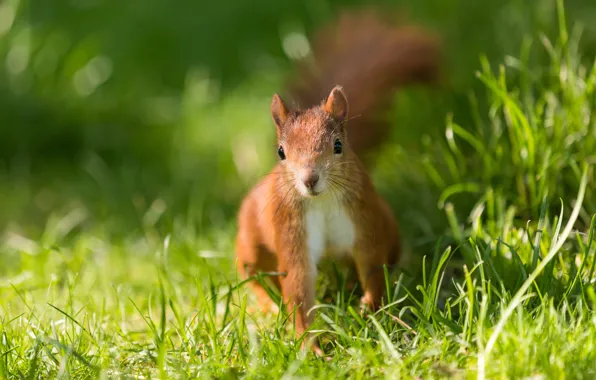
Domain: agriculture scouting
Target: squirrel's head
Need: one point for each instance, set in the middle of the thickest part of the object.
(312, 143)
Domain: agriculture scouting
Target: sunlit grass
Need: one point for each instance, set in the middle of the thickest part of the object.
(81, 305)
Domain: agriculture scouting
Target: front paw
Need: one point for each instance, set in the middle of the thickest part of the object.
(319, 352)
(317, 349)
(369, 303)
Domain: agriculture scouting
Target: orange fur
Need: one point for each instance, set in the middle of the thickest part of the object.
(290, 219)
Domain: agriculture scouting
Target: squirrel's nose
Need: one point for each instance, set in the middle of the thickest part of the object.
(310, 179)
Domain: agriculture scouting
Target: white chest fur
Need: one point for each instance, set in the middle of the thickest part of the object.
(329, 229)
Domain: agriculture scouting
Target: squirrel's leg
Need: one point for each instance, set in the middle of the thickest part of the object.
(252, 259)
(370, 265)
(298, 288)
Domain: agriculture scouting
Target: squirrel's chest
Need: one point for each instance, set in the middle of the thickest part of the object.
(329, 230)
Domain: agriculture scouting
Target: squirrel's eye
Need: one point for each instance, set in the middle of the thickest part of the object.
(337, 148)
(281, 153)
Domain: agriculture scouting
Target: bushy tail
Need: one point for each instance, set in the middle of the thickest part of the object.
(370, 57)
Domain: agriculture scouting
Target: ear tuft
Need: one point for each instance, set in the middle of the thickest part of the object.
(337, 104)
(279, 111)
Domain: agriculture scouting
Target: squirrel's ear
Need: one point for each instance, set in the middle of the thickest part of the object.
(337, 104)
(279, 111)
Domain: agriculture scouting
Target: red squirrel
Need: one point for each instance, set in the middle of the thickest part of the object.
(319, 201)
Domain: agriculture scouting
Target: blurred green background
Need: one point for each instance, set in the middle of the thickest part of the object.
(156, 112)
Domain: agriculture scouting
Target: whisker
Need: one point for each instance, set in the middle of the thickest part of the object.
(344, 179)
(273, 194)
(338, 181)
(351, 118)
(340, 191)
(343, 188)
(282, 202)
(348, 182)
(345, 121)
(350, 163)
(334, 190)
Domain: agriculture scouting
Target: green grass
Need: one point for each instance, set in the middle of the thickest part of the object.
(79, 305)
(498, 218)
